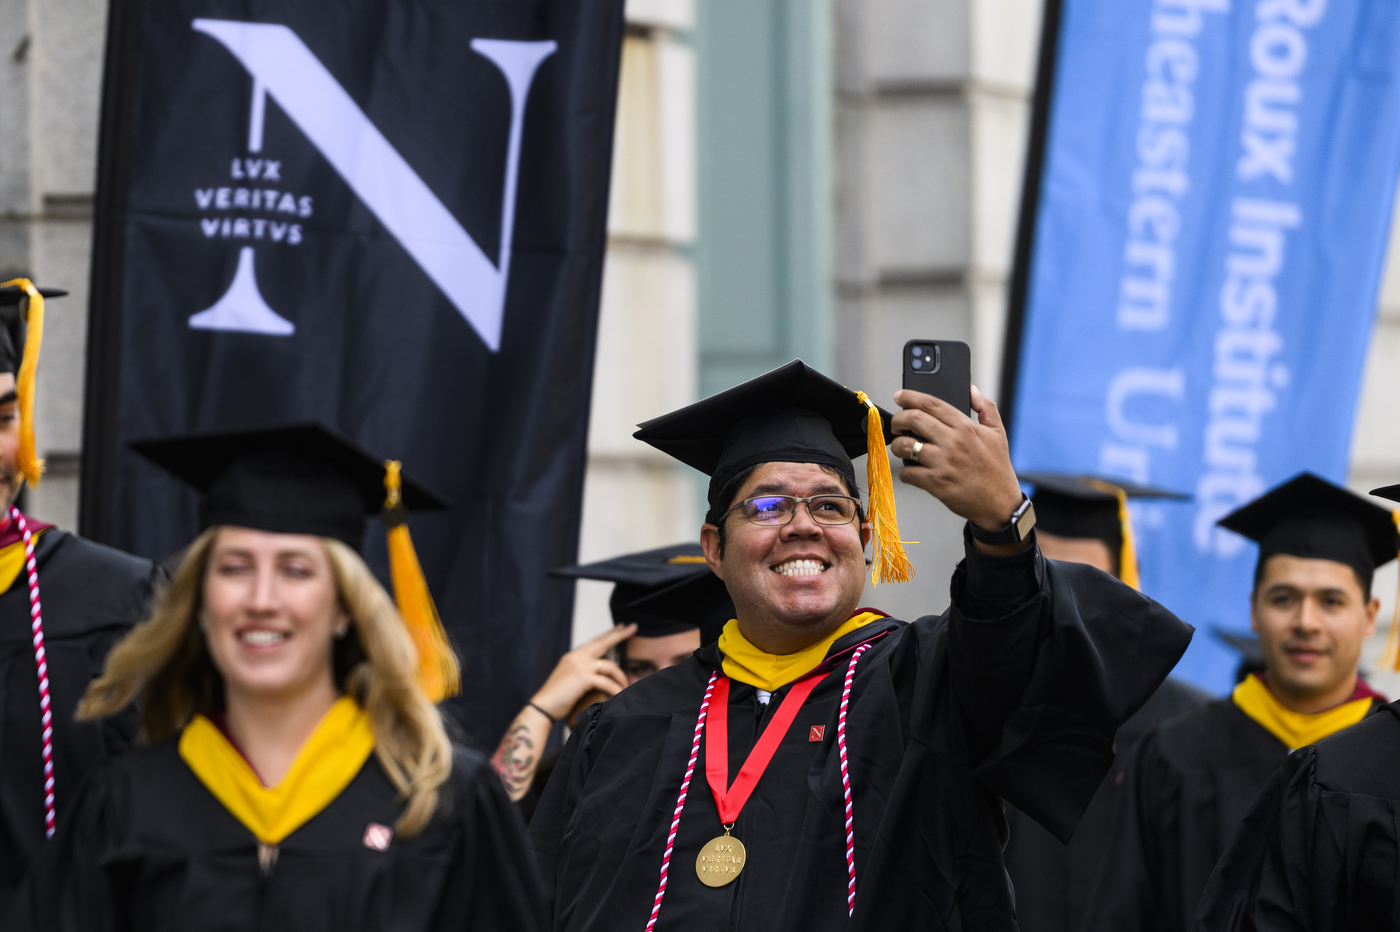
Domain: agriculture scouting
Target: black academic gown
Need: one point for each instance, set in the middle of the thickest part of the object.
(1189, 784)
(1054, 881)
(91, 595)
(1318, 851)
(1015, 691)
(148, 848)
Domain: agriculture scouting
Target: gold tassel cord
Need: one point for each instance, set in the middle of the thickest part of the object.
(1391, 656)
(30, 466)
(439, 673)
(1127, 553)
(890, 563)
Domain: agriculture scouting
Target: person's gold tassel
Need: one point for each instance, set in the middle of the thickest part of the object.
(439, 673)
(1391, 656)
(1127, 553)
(889, 561)
(30, 466)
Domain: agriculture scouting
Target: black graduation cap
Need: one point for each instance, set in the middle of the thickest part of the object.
(1082, 506)
(1247, 646)
(793, 414)
(14, 325)
(1085, 506)
(700, 601)
(307, 479)
(1309, 517)
(638, 575)
(290, 478)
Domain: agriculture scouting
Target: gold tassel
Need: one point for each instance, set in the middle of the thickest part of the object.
(1127, 557)
(890, 563)
(439, 674)
(30, 466)
(1127, 553)
(1391, 656)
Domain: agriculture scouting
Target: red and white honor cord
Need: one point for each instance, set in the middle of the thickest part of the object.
(680, 801)
(41, 661)
(845, 789)
(846, 781)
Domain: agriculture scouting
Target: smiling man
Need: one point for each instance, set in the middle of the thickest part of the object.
(823, 766)
(1318, 849)
(1192, 780)
(50, 647)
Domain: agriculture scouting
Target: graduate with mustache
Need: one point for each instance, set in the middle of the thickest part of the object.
(1191, 780)
(50, 647)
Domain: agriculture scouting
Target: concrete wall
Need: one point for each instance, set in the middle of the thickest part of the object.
(931, 99)
(932, 105)
(50, 84)
(635, 498)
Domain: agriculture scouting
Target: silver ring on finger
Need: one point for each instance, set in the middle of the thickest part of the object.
(918, 448)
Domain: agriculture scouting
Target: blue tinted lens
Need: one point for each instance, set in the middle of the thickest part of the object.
(769, 508)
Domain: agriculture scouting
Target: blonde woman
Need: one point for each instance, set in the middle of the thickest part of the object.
(296, 775)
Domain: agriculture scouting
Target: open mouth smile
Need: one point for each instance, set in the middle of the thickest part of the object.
(801, 568)
(261, 637)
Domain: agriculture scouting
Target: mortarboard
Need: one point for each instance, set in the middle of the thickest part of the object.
(1092, 507)
(307, 479)
(21, 334)
(1247, 646)
(1309, 517)
(639, 575)
(699, 601)
(793, 414)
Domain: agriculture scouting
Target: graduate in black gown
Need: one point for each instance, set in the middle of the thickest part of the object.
(1318, 850)
(1083, 519)
(643, 640)
(824, 766)
(89, 596)
(297, 775)
(1191, 781)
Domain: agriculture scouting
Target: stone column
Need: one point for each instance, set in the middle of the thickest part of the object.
(932, 106)
(634, 497)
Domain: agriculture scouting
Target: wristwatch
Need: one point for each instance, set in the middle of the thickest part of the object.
(1017, 529)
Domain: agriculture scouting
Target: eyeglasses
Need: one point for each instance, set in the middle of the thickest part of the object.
(779, 510)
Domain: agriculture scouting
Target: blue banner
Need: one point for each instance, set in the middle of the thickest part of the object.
(1214, 207)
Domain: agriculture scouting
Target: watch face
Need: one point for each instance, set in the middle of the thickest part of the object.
(1026, 522)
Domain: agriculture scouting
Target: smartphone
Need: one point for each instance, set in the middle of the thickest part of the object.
(941, 368)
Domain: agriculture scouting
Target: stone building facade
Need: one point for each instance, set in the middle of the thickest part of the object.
(823, 178)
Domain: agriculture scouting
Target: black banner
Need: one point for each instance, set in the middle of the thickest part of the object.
(388, 215)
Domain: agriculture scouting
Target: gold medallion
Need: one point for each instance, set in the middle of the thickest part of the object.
(720, 861)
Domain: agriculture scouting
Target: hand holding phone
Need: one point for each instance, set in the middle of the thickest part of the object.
(941, 368)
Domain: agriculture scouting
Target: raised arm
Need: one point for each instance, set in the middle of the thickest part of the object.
(581, 671)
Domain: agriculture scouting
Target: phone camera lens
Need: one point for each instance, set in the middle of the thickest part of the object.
(916, 351)
(916, 364)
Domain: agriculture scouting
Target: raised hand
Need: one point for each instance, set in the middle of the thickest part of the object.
(582, 670)
(964, 463)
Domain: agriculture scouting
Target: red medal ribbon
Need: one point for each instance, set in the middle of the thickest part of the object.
(717, 746)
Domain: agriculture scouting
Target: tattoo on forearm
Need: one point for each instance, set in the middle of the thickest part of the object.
(514, 760)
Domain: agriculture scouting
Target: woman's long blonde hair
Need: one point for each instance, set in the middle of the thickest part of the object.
(166, 662)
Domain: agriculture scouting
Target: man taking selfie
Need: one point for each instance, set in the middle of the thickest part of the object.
(824, 766)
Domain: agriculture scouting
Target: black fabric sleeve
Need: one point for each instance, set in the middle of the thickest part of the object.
(1311, 858)
(556, 805)
(67, 890)
(1138, 861)
(496, 885)
(1047, 660)
(992, 584)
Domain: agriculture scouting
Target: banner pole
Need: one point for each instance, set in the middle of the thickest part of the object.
(103, 376)
(1030, 205)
